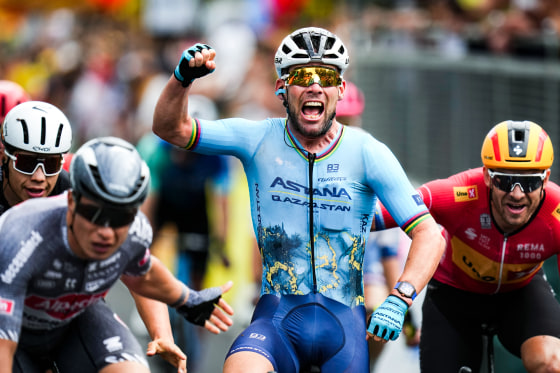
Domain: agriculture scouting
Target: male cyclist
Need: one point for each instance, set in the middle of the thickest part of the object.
(313, 185)
(35, 135)
(56, 267)
(502, 221)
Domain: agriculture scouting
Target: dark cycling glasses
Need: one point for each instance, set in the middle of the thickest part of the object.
(305, 76)
(27, 164)
(507, 182)
(106, 216)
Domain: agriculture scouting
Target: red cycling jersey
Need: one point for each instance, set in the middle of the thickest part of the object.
(479, 257)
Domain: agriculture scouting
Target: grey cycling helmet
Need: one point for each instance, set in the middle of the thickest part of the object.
(311, 44)
(110, 171)
(37, 127)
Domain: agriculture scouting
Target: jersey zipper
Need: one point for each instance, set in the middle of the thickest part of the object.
(504, 245)
(311, 158)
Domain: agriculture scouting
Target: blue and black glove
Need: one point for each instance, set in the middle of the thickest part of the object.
(387, 320)
(200, 304)
(186, 74)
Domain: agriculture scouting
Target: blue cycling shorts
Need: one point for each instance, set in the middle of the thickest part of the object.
(297, 331)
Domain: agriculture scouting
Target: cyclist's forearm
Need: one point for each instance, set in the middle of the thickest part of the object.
(7, 351)
(426, 249)
(155, 316)
(172, 121)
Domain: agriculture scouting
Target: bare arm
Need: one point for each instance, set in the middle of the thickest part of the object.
(172, 121)
(426, 249)
(156, 318)
(7, 352)
(160, 284)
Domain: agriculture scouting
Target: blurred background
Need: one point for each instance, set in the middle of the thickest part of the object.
(437, 75)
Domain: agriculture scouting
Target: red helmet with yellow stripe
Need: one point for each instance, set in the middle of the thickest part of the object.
(517, 145)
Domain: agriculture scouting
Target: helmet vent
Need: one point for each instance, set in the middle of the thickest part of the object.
(59, 135)
(25, 131)
(138, 186)
(43, 130)
(97, 178)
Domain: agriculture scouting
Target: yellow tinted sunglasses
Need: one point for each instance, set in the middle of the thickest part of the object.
(305, 76)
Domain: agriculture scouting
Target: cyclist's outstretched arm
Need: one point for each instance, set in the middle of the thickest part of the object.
(426, 249)
(156, 318)
(204, 308)
(172, 121)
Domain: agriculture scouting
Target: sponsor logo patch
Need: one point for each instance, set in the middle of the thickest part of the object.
(466, 193)
(6, 306)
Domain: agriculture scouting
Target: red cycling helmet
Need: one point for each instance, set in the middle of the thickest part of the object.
(353, 102)
(11, 94)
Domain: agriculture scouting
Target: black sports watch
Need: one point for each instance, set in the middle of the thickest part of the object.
(406, 289)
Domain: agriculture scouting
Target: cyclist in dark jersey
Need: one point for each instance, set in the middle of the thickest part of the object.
(37, 134)
(502, 221)
(313, 185)
(57, 266)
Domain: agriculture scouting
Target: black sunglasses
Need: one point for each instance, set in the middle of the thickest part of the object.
(106, 216)
(507, 182)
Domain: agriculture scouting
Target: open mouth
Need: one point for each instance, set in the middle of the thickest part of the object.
(516, 208)
(312, 110)
(35, 192)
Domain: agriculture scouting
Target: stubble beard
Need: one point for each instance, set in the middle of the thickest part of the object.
(321, 131)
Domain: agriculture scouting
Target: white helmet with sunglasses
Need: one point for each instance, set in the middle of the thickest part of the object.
(311, 44)
(37, 127)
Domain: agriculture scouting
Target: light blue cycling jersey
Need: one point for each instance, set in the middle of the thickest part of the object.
(342, 184)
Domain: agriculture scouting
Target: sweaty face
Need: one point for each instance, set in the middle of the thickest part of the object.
(512, 210)
(19, 187)
(88, 240)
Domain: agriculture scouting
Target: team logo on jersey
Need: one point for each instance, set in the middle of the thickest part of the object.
(556, 212)
(65, 306)
(6, 306)
(332, 167)
(485, 221)
(466, 193)
(471, 233)
(287, 186)
(26, 250)
(416, 197)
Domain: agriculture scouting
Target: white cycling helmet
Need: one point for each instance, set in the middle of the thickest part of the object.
(37, 127)
(311, 44)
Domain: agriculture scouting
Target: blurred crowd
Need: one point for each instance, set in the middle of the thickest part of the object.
(104, 61)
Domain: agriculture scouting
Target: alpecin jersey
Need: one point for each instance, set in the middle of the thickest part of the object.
(344, 182)
(479, 257)
(43, 285)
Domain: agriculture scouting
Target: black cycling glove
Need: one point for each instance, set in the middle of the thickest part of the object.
(186, 74)
(200, 304)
